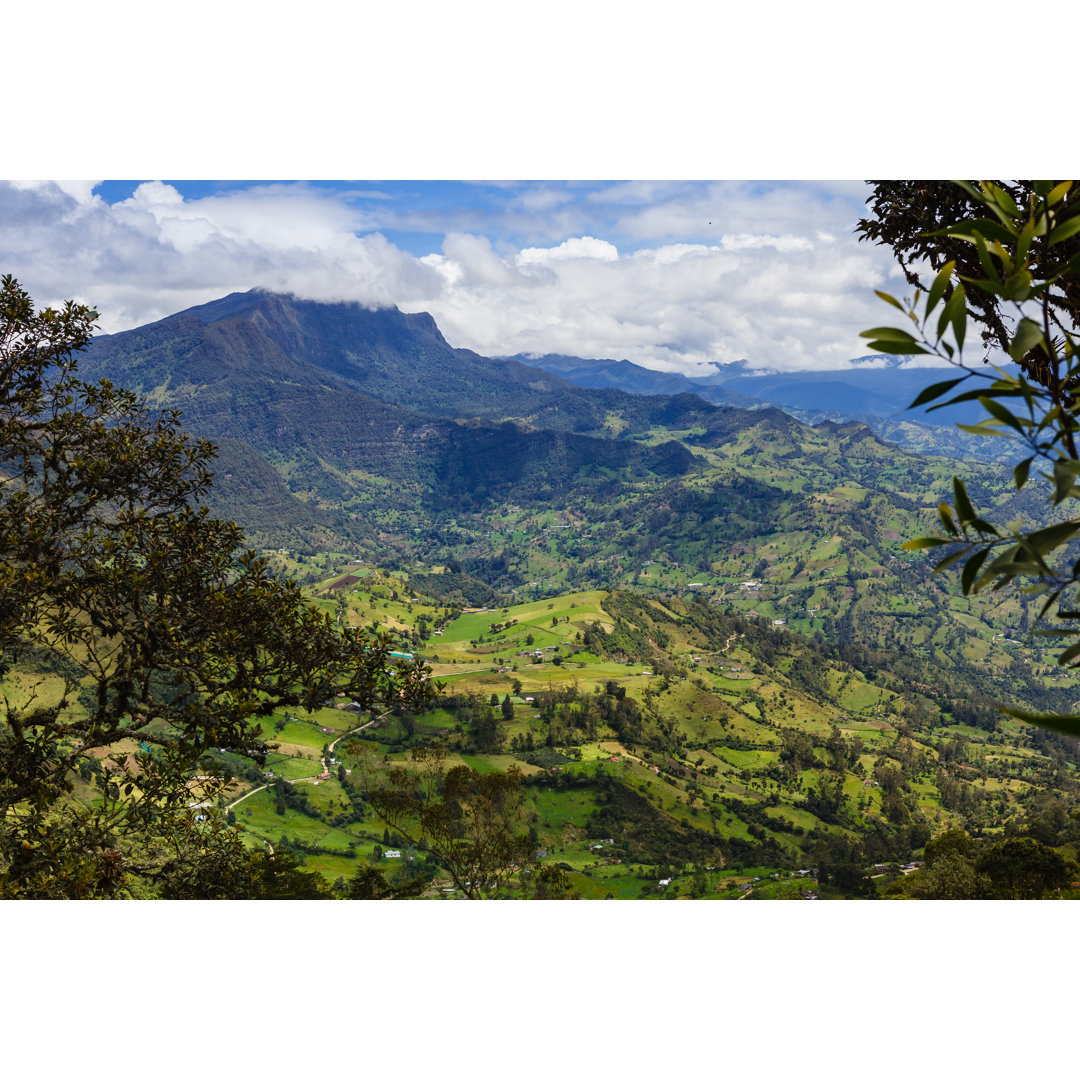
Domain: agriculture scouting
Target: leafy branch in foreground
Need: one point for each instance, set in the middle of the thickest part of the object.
(1024, 268)
(136, 633)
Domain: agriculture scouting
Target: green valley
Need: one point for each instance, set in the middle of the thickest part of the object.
(679, 646)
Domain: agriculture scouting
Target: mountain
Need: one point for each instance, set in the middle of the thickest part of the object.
(875, 390)
(366, 426)
(318, 393)
(866, 389)
(633, 378)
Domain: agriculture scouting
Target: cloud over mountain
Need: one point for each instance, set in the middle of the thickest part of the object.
(669, 275)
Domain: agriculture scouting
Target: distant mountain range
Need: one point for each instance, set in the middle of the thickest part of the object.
(877, 391)
(351, 408)
(330, 416)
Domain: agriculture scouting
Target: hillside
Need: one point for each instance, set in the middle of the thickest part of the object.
(655, 492)
(874, 390)
(675, 748)
(692, 627)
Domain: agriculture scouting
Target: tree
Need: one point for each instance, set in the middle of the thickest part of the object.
(847, 876)
(139, 618)
(952, 877)
(924, 221)
(472, 822)
(368, 884)
(548, 882)
(1018, 265)
(209, 862)
(953, 843)
(1023, 869)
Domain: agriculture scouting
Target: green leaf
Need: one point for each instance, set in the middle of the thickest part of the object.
(936, 390)
(977, 227)
(945, 513)
(971, 568)
(979, 429)
(987, 264)
(1023, 244)
(891, 300)
(887, 332)
(1065, 473)
(1065, 230)
(1071, 653)
(893, 347)
(970, 189)
(1028, 335)
(954, 312)
(1002, 199)
(924, 542)
(1020, 473)
(940, 284)
(1000, 413)
(950, 559)
(963, 504)
(975, 395)
(1065, 723)
(959, 315)
(890, 339)
(1044, 540)
(990, 285)
(1005, 561)
(1059, 192)
(1017, 286)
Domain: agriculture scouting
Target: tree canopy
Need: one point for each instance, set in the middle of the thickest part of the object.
(1010, 256)
(472, 822)
(929, 223)
(136, 632)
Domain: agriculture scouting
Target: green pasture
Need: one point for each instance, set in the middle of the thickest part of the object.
(292, 768)
(558, 809)
(258, 815)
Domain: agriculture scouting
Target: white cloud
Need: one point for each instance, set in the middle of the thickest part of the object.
(670, 275)
(577, 247)
(741, 241)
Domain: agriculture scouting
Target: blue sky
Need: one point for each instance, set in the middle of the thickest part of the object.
(512, 210)
(671, 274)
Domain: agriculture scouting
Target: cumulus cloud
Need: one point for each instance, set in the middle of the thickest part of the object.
(157, 253)
(669, 275)
(577, 247)
(782, 243)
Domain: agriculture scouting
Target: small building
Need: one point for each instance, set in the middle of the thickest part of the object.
(393, 853)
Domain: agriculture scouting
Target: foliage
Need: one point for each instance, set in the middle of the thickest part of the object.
(164, 632)
(957, 868)
(209, 862)
(472, 822)
(931, 220)
(1021, 868)
(1022, 272)
(952, 877)
(368, 884)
